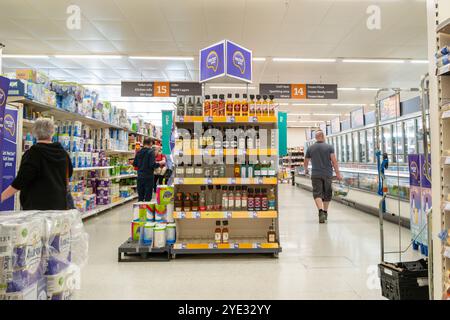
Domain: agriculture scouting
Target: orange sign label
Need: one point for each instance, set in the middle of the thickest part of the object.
(298, 91)
(161, 89)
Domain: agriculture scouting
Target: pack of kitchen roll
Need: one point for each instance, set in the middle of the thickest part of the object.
(41, 254)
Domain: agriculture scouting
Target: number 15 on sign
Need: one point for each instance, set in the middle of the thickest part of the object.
(161, 89)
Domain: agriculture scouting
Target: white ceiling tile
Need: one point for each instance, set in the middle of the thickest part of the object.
(101, 10)
(101, 47)
(224, 10)
(153, 74)
(50, 8)
(41, 28)
(307, 12)
(65, 47)
(181, 10)
(9, 32)
(152, 30)
(102, 73)
(147, 9)
(87, 31)
(17, 9)
(112, 30)
(34, 46)
(127, 74)
(274, 10)
(188, 31)
(158, 48)
(219, 31)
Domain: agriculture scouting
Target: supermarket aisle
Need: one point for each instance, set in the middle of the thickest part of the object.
(333, 261)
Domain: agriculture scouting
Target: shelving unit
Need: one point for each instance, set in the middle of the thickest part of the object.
(103, 208)
(247, 229)
(440, 119)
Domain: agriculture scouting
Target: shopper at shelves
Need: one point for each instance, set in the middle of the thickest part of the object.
(169, 170)
(146, 164)
(323, 160)
(161, 170)
(44, 173)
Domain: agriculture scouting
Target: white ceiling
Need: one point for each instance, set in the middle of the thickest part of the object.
(271, 28)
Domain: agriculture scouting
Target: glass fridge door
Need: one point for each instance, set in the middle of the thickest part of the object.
(363, 145)
(343, 148)
(349, 147)
(387, 141)
(356, 150)
(336, 149)
(399, 147)
(411, 136)
(370, 145)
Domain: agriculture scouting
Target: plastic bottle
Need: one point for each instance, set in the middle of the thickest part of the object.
(207, 106)
(230, 198)
(244, 170)
(252, 106)
(251, 200)
(221, 110)
(258, 108)
(244, 198)
(244, 105)
(229, 104)
(198, 107)
(202, 199)
(218, 199)
(271, 199)
(237, 105)
(250, 170)
(210, 199)
(265, 106)
(237, 199)
(264, 201)
(214, 105)
(241, 139)
(272, 106)
(224, 198)
(258, 197)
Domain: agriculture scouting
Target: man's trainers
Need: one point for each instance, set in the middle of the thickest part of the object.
(322, 216)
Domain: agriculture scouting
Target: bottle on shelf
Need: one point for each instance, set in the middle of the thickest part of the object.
(264, 169)
(222, 170)
(264, 200)
(237, 168)
(237, 105)
(271, 199)
(207, 170)
(189, 171)
(272, 170)
(187, 203)
(234, 142)
(244, 170)
(198, 107)
(238, 199)
(190, 107)
(271, 106)
(229, 105)
(210, 199)
(252, 106)
(214, 105)
(221, 109)
(251, 140)
(258, 107)
(258, 197)
(178, 202)
(230, 198)
(257, 139)
(250, 170)
(224, 198)
(198, 172)
(244, 198)
(225, 232)
(202, 199)
(265, 106)
(244, 105)
(257, 169)
(218, 199)
(241, 139)
(207, 106)
(181, 111)
(179, 171)
(218, 142)
(195, 201)
(218, 233)
(251, 200)
(271, 234)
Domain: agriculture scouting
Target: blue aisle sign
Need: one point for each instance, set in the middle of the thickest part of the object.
(4, 87)
(225, 59)
(9, 154)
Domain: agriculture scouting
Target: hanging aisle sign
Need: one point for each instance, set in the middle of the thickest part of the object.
(224, 60)
(160, 89)
(282, 134)
(4, 87)
(299, 90)
(167, 127)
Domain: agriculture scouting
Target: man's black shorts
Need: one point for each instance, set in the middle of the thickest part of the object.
(322, 187)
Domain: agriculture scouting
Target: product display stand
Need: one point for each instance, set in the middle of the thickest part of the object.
(248, 230)
(132, 251)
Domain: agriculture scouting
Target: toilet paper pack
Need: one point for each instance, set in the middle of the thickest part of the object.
(164, 194)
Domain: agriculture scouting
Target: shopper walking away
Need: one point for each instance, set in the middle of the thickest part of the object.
(169, 165)
(145, 164)
(323, 160)
(161, 171)
(44, 172)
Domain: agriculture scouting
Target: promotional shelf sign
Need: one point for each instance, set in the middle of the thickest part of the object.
(225, 59)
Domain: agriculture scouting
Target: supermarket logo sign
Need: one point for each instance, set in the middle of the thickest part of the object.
(9, 125)
(239, 61)
(212, 61)
(2, 97)
(414, 170)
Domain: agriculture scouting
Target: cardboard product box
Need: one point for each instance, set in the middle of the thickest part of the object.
(26, 74)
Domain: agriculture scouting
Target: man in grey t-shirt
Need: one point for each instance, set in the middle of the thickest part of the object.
(323, 161)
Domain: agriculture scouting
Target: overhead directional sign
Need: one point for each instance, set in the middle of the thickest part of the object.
(160, 89)
(299, 90)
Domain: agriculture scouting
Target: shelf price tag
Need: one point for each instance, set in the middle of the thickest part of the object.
(181, 119)
(235, 245)
(253, 215)
(253, 119)
(228, 214)
(446, 114)
(209, 181)
(233, 181)
(232, 119)
(196, 215)
(182, 215)
(209, 119)
(257, 245)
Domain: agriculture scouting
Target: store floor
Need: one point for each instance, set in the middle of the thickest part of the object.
(333, 261)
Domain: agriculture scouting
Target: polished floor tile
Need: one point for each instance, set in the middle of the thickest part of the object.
(337, 260)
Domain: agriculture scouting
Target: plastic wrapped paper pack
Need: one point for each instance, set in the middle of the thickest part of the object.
(41, 254)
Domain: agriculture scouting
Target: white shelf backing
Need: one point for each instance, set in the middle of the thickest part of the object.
(100, 209)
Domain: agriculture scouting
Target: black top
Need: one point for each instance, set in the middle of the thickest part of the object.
(145, 162)
(42, 177)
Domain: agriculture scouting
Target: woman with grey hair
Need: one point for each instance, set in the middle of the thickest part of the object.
(44, 172)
